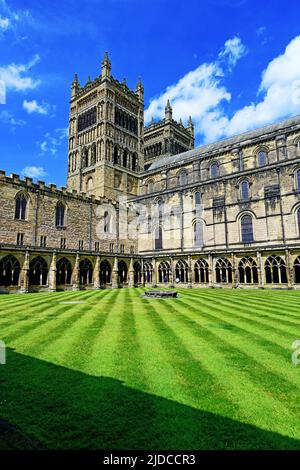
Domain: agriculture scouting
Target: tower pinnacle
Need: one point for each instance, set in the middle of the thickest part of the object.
(168, 111)
(75, 86)
(106, 66)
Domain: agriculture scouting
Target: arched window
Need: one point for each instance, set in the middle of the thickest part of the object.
(248, 271)
(122, 270)
(93, 154)
(38, 272)
(201, 271)
(85, 272)
(297, 270)
(89, 184)
(60, 215)
(262, 158)
(214, 170)
(134, 162)
(181, 271)
(223, 271)
(183, 178)
(105, 272)
(198, 233)
(148, 272)
(244, 190)
(150, 187)
(197, 199)
(106, 222)
(9, 271)
(116, 156)
(85, 158)
(164, 272)
(275, 270)
(21, 206)
(298, 221)
(298, 179)
(125, 159)
(247, 229)
(63, 272)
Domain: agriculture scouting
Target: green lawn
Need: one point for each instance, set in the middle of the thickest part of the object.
(210, 370)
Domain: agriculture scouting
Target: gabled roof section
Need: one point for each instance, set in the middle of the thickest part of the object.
(223, 144)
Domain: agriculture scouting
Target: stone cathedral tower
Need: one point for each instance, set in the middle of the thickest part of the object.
(105, 136)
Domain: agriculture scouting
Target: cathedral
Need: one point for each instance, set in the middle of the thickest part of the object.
(143, 207)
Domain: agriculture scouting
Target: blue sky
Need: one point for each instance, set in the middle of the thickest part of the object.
(232, 64)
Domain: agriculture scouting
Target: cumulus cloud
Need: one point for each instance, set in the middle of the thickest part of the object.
(34, 107)
(16, 76)
(34, 172)
(200, 90)
(201, 93)
(278, 95)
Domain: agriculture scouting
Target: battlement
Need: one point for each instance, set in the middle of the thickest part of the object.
(29, 184)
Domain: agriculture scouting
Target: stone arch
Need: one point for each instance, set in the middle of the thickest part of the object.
(38, 272)
(105, 272)
(63, 272)
(223, 270)
(9, 271)
(85, 272)
(181, 271)
(248, 273)
(122, 272)
(137, 273)
(164, 272)
(297, 270)
(275, 270)
(201, 271)
(148, 272)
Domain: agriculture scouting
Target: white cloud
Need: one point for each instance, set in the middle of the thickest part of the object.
(34, 172)
(10, 18)
(16, 76)
(200, 90)
(4, 23)
(233, 50)
(52, 142)
(34, 107)
(9, 118)
(201, 94)
(279, 91)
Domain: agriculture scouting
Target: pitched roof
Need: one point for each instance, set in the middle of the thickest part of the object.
(231, 141)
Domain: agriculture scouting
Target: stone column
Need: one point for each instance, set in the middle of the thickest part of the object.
(115, 275)
(289, 269)
(190, 278)
(235, 278)
(24, 275)
(75, 274)
(131, 274)
(211, 278)
(97, 273)
(52, 273)
(172, 275)
(142, 273)
(260, 271)
(154, 273)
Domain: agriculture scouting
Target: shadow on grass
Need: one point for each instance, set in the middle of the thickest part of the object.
(47, 406)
